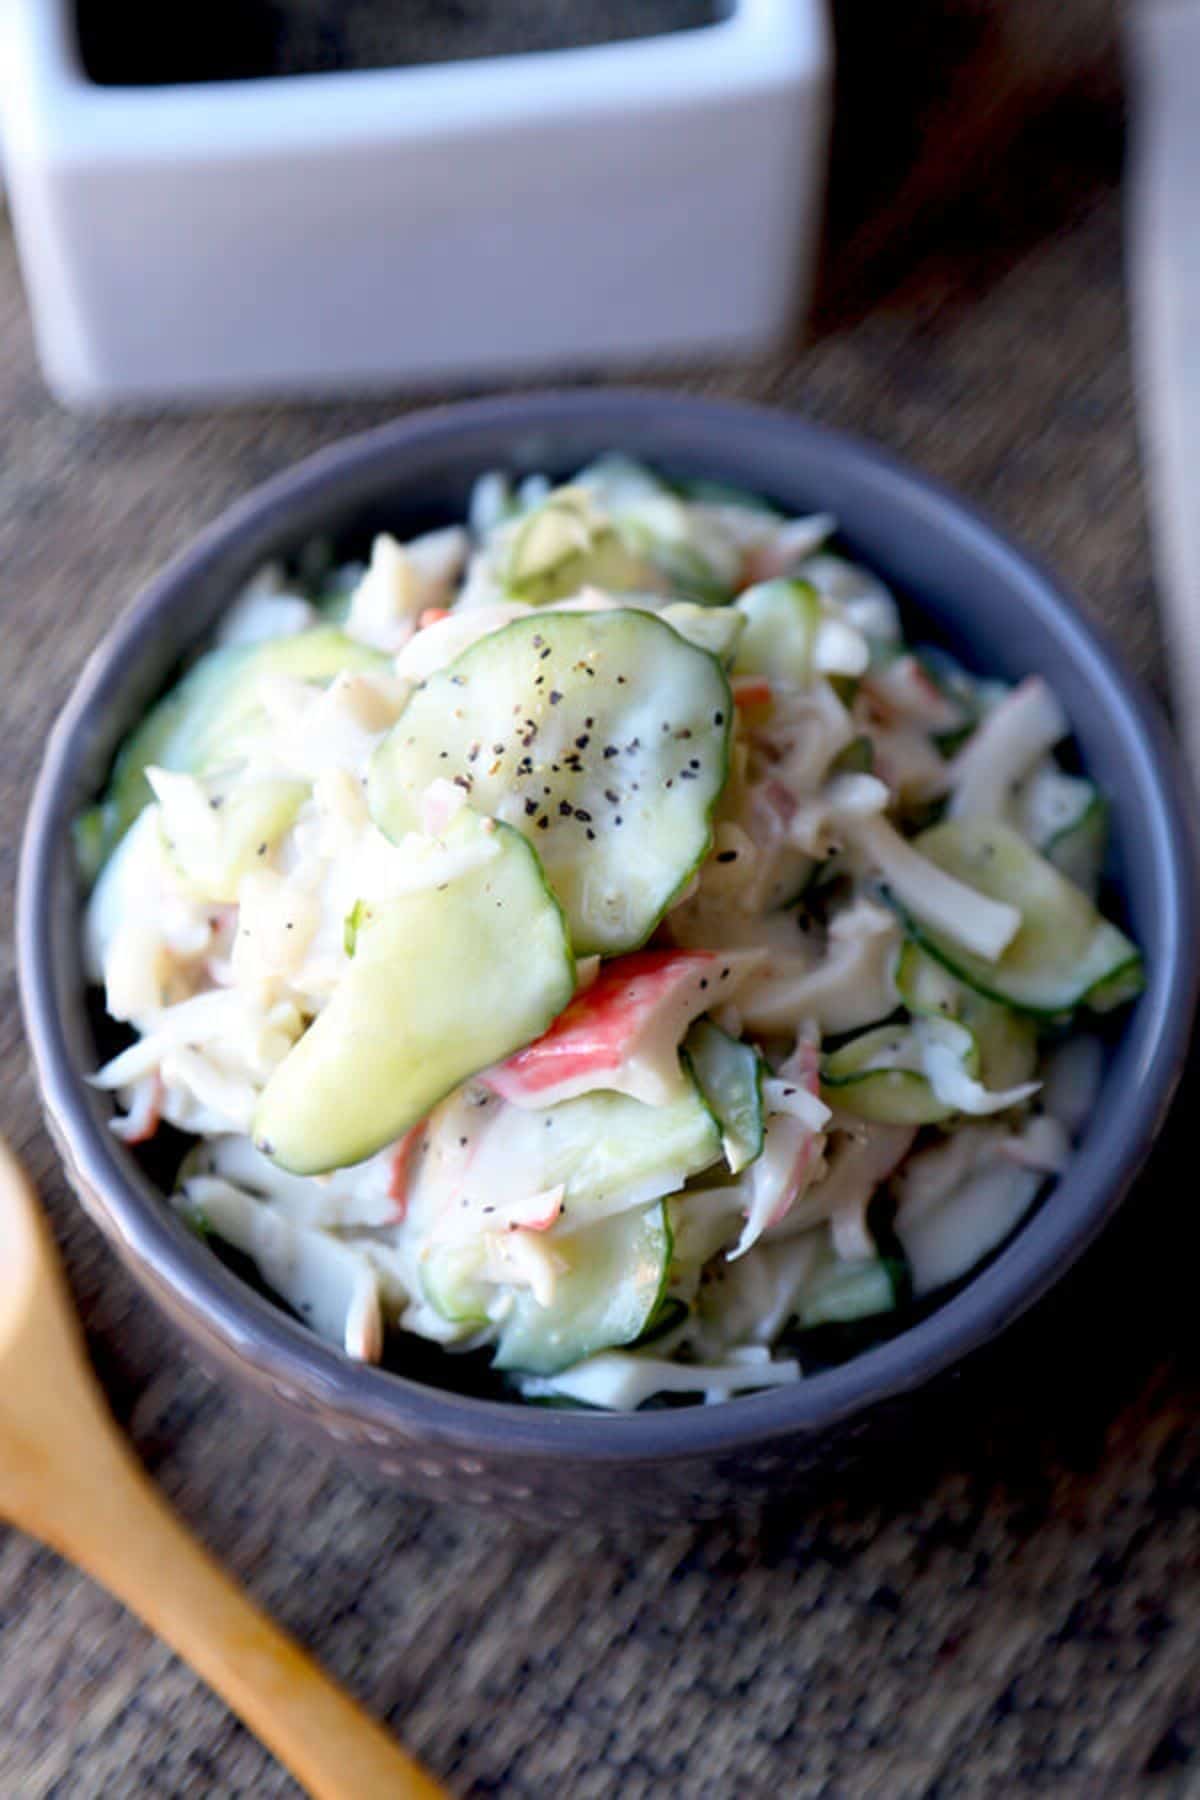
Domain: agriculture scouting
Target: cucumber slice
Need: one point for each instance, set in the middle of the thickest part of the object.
(729, 1075)
(610, 1285)
(1064, 954)
(452, 1281)
(1077, 850)
(684, 569)
(208, 720)
(861, 596)
(608, 1154)
(881, 1075)
(712, 628)
(926, 986)
(703, 1222)
(782, 620)
(602, 737)
(564, 545)
(666, 1319)
(1050, 803)
(444, 981)
(1006, 1040)
(839, 1293)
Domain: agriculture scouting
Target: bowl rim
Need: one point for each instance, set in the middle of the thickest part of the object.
(280, 1353)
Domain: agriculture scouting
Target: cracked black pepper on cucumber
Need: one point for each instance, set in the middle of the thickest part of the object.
(591, 937)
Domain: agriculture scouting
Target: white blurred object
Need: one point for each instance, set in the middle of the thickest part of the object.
(1164, 229)
(661, 196)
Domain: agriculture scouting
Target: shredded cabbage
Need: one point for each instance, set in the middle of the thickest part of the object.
(228, 915)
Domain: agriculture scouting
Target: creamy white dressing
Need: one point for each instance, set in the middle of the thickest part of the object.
(219, 949)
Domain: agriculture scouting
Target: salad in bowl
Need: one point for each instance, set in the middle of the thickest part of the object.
(592, 937)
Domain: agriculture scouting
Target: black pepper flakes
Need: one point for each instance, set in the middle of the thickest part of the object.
(727, 856)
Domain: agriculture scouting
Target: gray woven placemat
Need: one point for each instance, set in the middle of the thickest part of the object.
(1017, 1607)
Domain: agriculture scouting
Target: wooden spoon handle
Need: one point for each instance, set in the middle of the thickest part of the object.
(128, 1538)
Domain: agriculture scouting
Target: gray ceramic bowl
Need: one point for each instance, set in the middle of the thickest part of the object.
(975, 591)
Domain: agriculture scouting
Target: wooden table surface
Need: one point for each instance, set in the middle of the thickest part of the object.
(1017, 1607)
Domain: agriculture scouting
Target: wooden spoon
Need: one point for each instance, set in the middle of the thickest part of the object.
(68, 1477)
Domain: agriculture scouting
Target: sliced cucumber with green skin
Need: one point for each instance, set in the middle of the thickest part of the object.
(682, 567)
(208, 720)
(881, 1075)
(782, 619)
(444, 981)
(791, 635)
(608, 1154)
(712, 628)
(606, 1293)
(452, 1282)
(1077, 850)
(1064, 954)
(840, 1293)
(926, 986)
(729, 1075)
(602, 737)
(668, 1316)
(564, 545)
(1006, 1040)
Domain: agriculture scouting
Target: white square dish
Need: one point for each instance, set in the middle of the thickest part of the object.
(571, 208)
